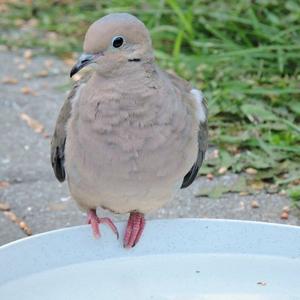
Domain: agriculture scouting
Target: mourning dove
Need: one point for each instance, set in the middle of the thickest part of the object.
(129, 135)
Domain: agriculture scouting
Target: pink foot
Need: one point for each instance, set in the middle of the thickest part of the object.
(94, 220)
(134, 229)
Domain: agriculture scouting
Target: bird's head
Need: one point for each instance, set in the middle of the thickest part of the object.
(112, 41)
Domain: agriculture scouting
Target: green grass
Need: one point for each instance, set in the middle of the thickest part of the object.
(243, 54)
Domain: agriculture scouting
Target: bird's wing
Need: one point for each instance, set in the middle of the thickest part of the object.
(202, 114)
(60, 135)
(187, 91)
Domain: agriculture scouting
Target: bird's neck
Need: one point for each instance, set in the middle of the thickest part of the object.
(127, 68)
(131, 78)
(133, 93)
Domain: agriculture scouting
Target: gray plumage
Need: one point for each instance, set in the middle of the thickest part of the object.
(129, 134)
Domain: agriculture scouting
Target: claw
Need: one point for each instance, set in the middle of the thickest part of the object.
(94, 220)
(134, 229)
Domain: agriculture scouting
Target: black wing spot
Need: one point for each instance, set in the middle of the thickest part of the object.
(190, 176)
(58, 163)
(134, 59)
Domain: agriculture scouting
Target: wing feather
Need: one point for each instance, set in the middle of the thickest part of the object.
(60, 135)
(202, 113)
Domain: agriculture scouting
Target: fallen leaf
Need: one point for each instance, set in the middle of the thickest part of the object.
(251, 171)
(210, 176)
(257, 185)
(254, 204)
(296, 182)
(25, 228)
(34, 124)
(4, 184)
(222, 170)
(43, 73)
(27, 54)
(12, 216)
(22, 224)
(286, 209)
(26, 90)
(3, 7)
(244, 193)
(4, 206)
(10, 80)
(272, 189)
(233, 149)
(284, 215)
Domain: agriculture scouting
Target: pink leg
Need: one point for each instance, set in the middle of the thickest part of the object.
(94, 220)
(134, 229)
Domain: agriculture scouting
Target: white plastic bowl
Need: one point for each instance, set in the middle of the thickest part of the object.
(183, 259)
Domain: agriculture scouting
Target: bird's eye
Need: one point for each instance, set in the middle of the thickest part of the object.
(117, 41)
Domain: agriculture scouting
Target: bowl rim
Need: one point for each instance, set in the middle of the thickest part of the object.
(118, 224)
(74, 245)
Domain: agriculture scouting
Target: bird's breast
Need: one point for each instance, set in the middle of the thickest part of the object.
(129, 138)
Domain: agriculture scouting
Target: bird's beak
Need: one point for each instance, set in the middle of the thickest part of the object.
(84, 60)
